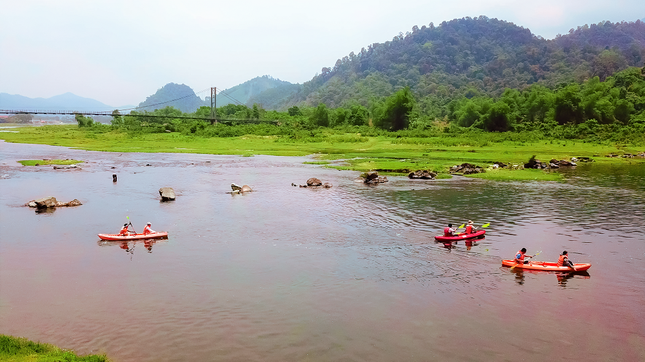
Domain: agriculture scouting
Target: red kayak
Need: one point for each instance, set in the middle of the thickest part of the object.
(476, 235)
(546, 266)
(117, 237)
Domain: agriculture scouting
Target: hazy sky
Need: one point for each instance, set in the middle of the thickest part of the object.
(120, 52)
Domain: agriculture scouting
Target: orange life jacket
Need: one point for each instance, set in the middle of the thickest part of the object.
(469, 229)
(147, 230)
(124, 231)
(561, 260)
(446, 231)
(519, 257)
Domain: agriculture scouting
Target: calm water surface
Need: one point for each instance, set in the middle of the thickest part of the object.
(349, 273)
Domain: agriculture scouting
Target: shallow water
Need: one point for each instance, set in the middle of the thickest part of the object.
(286, 273)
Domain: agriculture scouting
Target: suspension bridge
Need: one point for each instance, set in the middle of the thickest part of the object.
(212, 118)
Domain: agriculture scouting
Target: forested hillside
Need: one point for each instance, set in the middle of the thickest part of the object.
(473, 56)
(257, 90)
(182, 96)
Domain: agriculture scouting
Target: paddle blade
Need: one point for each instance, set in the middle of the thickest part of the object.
(486, 225)
(461, 226)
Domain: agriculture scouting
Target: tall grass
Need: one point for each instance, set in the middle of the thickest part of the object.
(19, 349)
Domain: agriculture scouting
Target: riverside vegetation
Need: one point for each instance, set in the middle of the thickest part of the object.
(404, 131)
(18, 349)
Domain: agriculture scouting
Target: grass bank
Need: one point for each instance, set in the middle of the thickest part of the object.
(393, 155)
(48, 162)
(16, 349)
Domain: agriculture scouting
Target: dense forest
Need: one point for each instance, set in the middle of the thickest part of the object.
(470, 54)
(464, 76)
(612, 109)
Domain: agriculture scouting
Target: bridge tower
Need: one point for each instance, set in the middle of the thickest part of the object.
(213, 104)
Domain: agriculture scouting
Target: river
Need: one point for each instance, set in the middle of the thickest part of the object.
(286, 273)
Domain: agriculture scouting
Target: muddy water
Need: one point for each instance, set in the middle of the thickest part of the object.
(348, 273)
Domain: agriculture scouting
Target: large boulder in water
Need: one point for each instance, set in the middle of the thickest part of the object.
(46, 202)
(372, 178)
(237, 188)
(74, 202)
(422, 174)
(167, 193)
(314, 182)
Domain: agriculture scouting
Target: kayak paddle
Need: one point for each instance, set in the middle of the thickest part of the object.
(130, 222)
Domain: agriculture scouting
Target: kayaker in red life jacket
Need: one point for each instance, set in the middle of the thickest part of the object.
(519, 257)
(469, 228)
(563, 260)
(124, 230)
(148, 230)
(449, 231)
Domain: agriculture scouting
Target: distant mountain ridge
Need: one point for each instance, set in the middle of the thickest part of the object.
(253, 91)
(63, 102)
(474, 55)
(179, 96)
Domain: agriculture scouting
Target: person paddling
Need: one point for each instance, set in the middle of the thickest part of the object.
(563, 260)
(519, 257)
(148, 230)
(470, 228)
(124, 231)
(449, 231)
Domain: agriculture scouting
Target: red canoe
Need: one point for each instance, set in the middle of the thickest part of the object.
(546, 266)
(117, 237)
(476, 235)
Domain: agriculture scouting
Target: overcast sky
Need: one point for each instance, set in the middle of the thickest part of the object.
(121, 51)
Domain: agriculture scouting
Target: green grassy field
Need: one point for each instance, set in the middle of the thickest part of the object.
(48, 162)
(16, 349)
(388, 155)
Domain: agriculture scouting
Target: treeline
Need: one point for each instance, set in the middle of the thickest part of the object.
(613, 109)
(481, 53)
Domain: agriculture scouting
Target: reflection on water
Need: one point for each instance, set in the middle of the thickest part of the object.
(347, 273)
(129, 245)
(561, 278)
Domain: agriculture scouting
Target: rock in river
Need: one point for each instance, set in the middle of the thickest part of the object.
(314, 182)
(167, 193)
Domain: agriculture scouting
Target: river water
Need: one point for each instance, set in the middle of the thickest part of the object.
(285, 273)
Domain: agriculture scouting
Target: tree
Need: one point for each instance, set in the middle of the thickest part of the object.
(117, 119)
(496, 120)
(358, 116)
(294, 111)
(320, 116)
(567, 105)
(256, 112)
(395, 113)
(83, 121)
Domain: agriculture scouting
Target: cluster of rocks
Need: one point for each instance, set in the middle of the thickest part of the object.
(627, 155)
(371, 178)
(51, 202)
(422, 174)
(581, 159)
(466, 169)
(537, 164)
(237, 189)
(167, 194)
(314, 182)
(509, 166)
(65, 167)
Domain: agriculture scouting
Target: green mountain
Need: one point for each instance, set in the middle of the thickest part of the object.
(473, 56)
(179, 96)
(253, 91)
